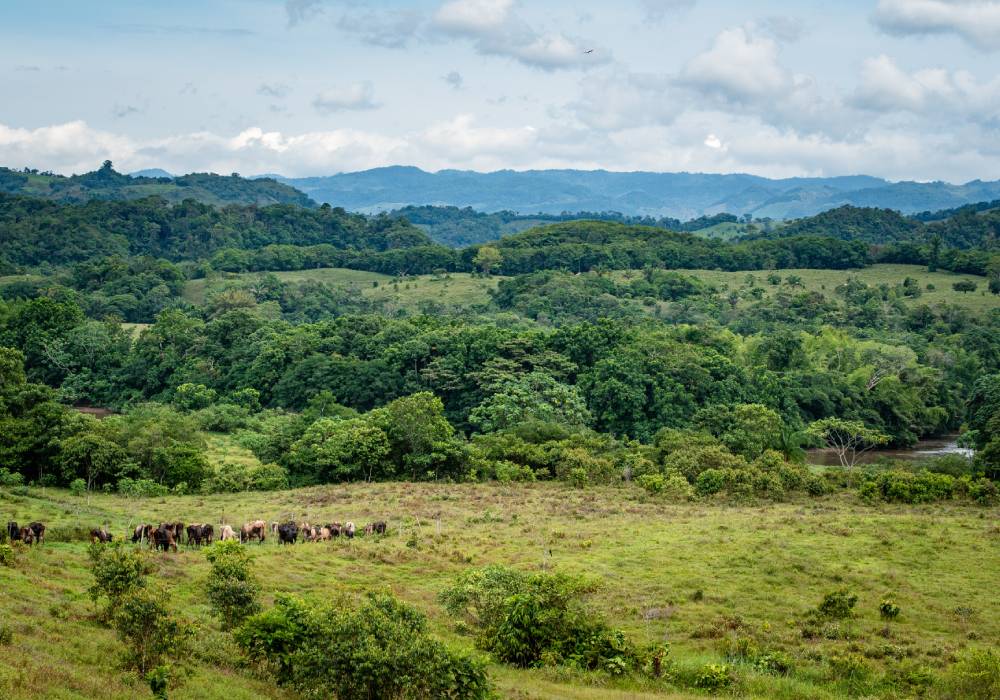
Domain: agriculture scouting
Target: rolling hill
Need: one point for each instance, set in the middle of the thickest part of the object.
(680, 195)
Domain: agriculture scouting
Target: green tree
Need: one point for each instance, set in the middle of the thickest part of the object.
(849, 439)
(746, 429)
(422, 442)
(964, 286)
(91, 455)
(487, 258)
(334, 449)
(536, 396)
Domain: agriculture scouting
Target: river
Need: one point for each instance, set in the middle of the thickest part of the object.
(923, 449)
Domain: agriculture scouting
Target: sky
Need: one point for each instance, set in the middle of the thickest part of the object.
(902, 89)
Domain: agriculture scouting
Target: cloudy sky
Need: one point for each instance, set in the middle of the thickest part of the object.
(904, 89)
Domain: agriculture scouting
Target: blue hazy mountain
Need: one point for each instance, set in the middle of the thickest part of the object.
(680, 195)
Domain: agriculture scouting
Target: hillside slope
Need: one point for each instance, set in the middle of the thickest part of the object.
(106, 183)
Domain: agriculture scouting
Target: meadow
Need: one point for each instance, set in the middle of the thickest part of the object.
(688, 574)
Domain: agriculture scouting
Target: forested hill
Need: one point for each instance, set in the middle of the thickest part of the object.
(975, 226)
(678, 195)
(36, 231)
(106, 183)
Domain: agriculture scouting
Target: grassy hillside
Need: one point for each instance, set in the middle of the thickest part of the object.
(689, 574)
(457, 288)
(826, 281)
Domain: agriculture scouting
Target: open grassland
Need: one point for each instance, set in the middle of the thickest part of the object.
(826, 281)
(687, 574)
(457, 288)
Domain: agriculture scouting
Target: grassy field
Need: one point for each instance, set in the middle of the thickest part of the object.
(457, 288)
(687, 574)
(826, 281)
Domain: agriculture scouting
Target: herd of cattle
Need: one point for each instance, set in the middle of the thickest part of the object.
(165, 536)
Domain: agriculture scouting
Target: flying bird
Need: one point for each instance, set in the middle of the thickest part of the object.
(589, 51)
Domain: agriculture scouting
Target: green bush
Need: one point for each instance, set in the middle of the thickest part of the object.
(117, 570)
(149, 631)
(837, 605)
(6, 555)
(976, 676)
(899, 486)
(652, 483)
(141, 488)
(530, 619)
(223, 418)
(713, 677)
(710, 482)
(234, 477)
(984, 492)
(10, 479)
(888, 610)
(380, 649)
(233, 591)
(78, 487)
(506, 471)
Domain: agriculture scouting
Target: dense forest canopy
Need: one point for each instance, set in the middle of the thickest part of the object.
(106, 183)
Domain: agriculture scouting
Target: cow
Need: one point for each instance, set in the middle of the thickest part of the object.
(198, 533)
(101, 535)
(348, 530)
(274, 529)
(306, 530)
(227, 533)
(141, 532)
(287, 532)
(334, 529)
(376, 528)
(13, 531)
(324, 534)
(253, 529)
(27, 536)
(163, 538)
(38, 530)
(175, 529)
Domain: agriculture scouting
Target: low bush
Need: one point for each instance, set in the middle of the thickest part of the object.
(837, 605)
(713, 677)
(900, 486)
(233, 477)
(975, 676)
(380, 649)
(7, 557)
(888, 610)
(11, 479)
(148, 629)
(233, 591)
(534, 619)
(117, 570)
(141, 488)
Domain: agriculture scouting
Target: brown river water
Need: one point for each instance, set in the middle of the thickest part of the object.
(924, 449)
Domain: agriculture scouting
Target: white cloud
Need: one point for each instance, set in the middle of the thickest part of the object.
(976, 21)
(658, 10)
(357, 96)
(302, 10)
(616, 99)
(389, 29)
(713, 141)
(885, 87)
(276, 90)
(740, 67)
(495, 29)
(454, 79)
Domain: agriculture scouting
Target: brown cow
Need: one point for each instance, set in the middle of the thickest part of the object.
(376, 528)
(227, 533)
(140, 532)
(163, 538)
(253, 529)
(198, 533)
(335, 529)
(27, 536)
(101, 535)
(324, 534)
(39, 532)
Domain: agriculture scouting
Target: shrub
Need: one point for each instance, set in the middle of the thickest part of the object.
(6, 635)
(888, 609)
(899, 486)
(837, 605)
(577, 477)
(192, 397)
(147, 628)
(530, 619)
(695, 460)
(849, 667)
(234, 477)
(713, 677)
(652, 483)
(78, 487)
(380, 649)
(141, 488)
(6, 555)
(506, 471)
(983, 491)
(11, 479)
(117, 570)
(576, 464)
(815, 485)
(233, 591)
(223, 418)
(710, 481)
(976, 676)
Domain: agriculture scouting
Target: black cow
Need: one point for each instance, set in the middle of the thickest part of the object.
(13, 531)
(163, 538)
(200, 533)
(38, 530)
(287, 533)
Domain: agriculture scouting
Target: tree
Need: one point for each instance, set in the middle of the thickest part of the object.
(487, 258)
(422, 441)
(333, 449)
(91, 455)
(964, 286)
(746, 429)
(535, 396)
(849, 439)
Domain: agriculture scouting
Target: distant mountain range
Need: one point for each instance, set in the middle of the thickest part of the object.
(680, 195)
